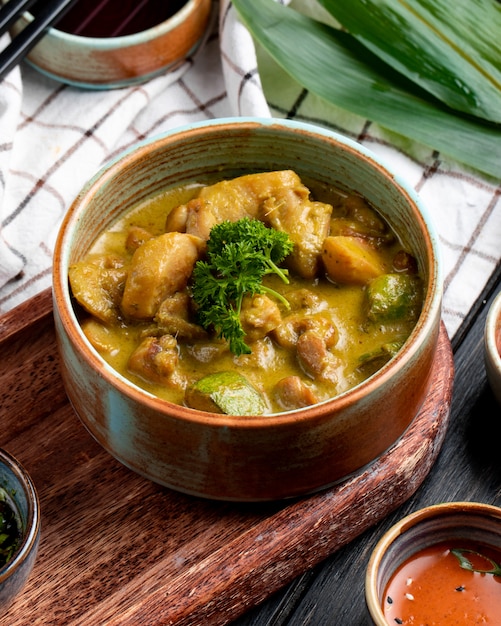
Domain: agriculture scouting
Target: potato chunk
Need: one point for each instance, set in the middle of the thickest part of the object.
(159, 268)
(350, 261)
(97, 284)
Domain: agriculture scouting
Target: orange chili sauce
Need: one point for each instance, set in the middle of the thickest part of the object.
(431, 589)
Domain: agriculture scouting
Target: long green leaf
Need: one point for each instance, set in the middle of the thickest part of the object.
(449, 47)
(333, 65)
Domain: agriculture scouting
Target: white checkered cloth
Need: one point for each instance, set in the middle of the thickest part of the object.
(53, 138)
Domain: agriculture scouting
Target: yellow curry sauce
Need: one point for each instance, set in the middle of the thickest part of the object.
(354, 293)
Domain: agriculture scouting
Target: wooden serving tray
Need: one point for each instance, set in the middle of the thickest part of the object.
(118, 549)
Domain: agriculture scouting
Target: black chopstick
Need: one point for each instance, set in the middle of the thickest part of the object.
(22, 43)
(11, 11)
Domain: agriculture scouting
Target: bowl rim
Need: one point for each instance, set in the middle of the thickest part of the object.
(62, 300)
(33, 518)
(110, 43)
(443, 509)
(492, 321)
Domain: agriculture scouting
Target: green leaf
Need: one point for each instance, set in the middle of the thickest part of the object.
(465, 563)
(448, 48)
(335, 66)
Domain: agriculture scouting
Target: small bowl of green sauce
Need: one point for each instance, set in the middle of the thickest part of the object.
(19, 527)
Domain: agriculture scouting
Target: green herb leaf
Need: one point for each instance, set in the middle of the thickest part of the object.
(454, 59)
(465, 563)
(239, 255)
(335, 66)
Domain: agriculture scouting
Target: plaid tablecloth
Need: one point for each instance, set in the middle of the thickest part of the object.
(53, 138)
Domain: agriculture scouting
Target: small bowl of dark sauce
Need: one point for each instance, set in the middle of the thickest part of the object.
(104, 44)
(19, 528)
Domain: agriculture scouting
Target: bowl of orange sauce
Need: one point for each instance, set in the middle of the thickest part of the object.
(492, 346)
(440, 565)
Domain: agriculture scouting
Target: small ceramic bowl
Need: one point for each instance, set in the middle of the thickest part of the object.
(459, 525)
(492, 346)
(18, 492)
(110, 62)
(261, 457)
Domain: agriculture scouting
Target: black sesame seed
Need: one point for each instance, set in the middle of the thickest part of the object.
(398, 620)
(389, 600)
(460, 588)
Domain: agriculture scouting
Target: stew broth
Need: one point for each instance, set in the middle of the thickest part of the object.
(335, 312)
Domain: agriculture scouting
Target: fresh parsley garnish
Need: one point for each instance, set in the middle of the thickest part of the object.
(239, 255)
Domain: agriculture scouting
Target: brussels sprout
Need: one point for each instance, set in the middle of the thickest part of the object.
(394, 297)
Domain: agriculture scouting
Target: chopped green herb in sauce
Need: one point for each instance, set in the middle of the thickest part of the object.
(10, 530)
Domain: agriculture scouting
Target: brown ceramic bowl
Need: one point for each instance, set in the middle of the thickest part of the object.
(258, 458)
(108, 62)
(447, 522)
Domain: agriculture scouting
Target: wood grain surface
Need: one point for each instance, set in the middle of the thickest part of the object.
(117, 549)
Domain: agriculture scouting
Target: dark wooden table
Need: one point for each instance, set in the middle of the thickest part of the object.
(468, 468)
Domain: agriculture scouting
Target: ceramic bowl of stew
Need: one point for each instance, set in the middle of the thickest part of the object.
(438, 565)
(104, 45)
(19, 527)
(492, 346)
(306, 444)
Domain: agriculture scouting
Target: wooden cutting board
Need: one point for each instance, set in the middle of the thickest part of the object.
(118, 549)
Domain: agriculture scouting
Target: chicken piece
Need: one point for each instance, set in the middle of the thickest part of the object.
(259, 315)
(351, 228)
(315, 358)
(305, 221)
(156, 360)
(97, 284)
(405, 262)
(136, 237)
(350, 261)
(177, 218)
(360, 210)
(359, 219)
(293, 393)
(159, 268)
(305, 300)
(173, 318)
(279, 199)
(295, 324)
(229, 200)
